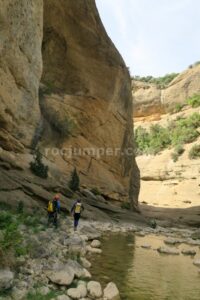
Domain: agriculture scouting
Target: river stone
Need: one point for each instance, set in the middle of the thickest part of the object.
(86, 264)
(94, 289)
(111, 292)
(6, 279)
(75, 244)
(95, 244)
(78, 270)
(62, 277)
(188, 252)
(84, 237)
(91, 232)
(77, 293)
(93, 250)
(168, 251)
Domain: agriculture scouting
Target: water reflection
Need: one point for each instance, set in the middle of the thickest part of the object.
(144, 274)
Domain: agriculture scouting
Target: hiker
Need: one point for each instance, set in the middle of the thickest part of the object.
(76, 210)
(53, 209)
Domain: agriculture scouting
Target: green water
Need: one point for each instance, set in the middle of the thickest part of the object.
(144, 274)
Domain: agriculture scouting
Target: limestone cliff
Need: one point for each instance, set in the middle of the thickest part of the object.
(84, 101)
(166, 182)
(20, 71)
(149, 99)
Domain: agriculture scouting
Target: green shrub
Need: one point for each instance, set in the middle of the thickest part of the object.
(151, 142)
(153, 223)
(31, 221)
(37, 166)
(142, 140)
(174, 156)
(197, 63)
(74, 181)
(5, 206)
(157, 138)
(178, 107)
(11, 237)
(179, 150)
(194, 152)
(183, 130)
(39, 296)
(194, 101)
(11, 240)
(5, 219)
(20, 207)
(95, 191)
(194, 65)
(162, 82)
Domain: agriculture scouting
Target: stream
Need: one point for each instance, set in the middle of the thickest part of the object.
(145, 274)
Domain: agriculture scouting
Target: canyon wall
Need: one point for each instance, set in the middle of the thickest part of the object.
(64, 86)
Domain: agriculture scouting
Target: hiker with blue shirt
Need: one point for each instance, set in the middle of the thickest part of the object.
(53, 209)
(76, 210)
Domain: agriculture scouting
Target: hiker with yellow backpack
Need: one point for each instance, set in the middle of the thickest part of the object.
(76, 210)
(53, 209)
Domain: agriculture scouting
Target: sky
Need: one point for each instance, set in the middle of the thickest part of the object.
(155, 37)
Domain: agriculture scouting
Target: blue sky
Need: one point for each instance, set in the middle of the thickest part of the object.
(155, 37)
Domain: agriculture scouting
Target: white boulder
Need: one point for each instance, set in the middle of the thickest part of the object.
(111, 292)
(94, 289)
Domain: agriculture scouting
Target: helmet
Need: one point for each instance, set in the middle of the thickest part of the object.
(57, 197)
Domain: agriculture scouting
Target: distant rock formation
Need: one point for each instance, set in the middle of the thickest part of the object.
(149, 99)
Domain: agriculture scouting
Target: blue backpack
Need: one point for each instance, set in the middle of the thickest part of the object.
(58, 204)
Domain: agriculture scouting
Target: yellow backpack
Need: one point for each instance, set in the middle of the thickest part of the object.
(50, 207)
(78, 208)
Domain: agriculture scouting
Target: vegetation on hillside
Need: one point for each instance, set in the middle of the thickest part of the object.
(177, 132)
(194, 101)
(162, 82)
(194, 152)
(178, 151)
(38, 167)
(194, 65)
(11, 240)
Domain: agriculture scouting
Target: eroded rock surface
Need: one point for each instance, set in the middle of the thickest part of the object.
(85, 94)
(150, 100)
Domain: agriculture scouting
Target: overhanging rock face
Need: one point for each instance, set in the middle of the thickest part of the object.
(85, 97)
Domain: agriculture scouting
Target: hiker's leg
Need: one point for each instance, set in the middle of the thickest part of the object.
(55, 219)
(75, 222)
(76, 219)
(49, 218)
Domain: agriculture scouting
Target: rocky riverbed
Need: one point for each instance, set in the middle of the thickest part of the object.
(57, 265)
